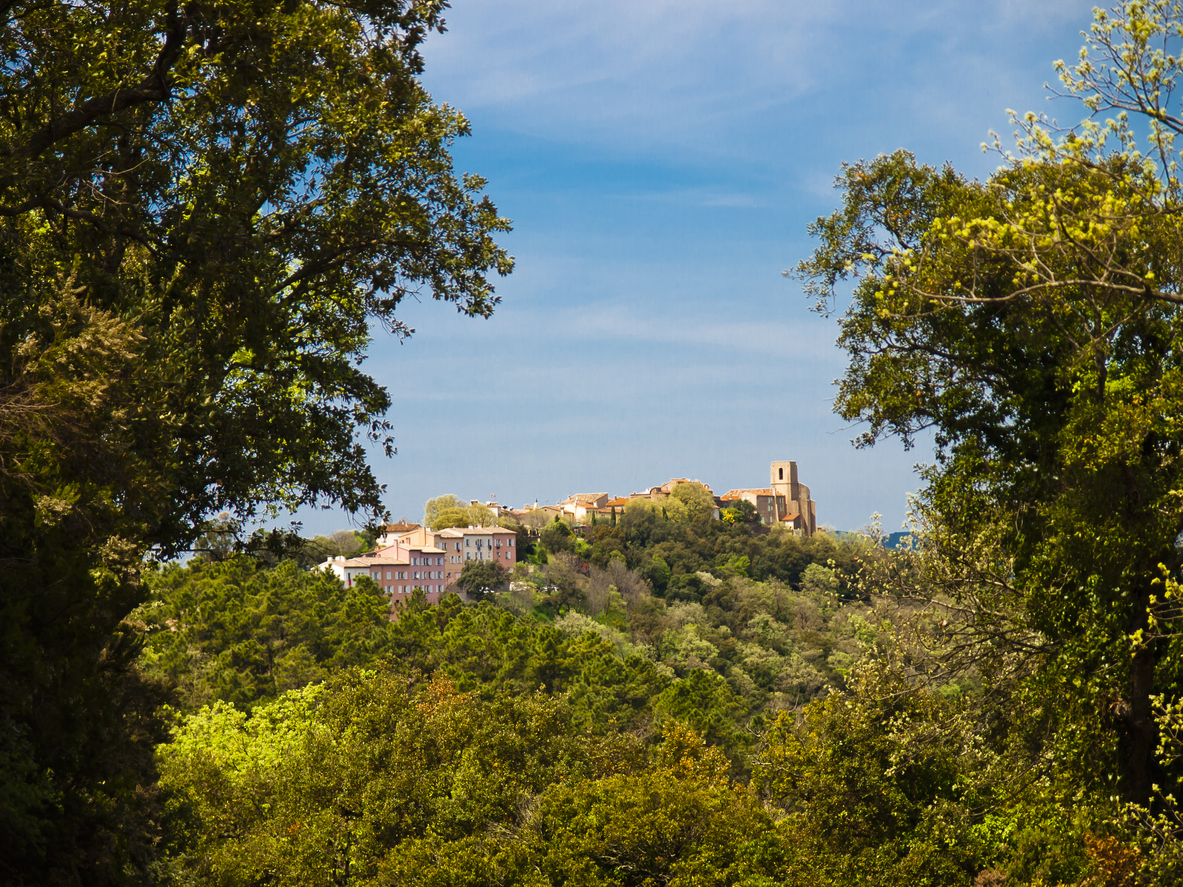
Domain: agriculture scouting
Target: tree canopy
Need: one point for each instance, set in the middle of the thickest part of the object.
(224, 198)
(478, 579)
(433, 508)
(203, 209)
(699, 503)
(1033, 321)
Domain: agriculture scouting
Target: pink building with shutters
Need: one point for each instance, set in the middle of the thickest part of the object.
(397, 569)
(460, 544)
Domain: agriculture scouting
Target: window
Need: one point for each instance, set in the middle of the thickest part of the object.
(510, 543)
(387, 574)
(781, 473)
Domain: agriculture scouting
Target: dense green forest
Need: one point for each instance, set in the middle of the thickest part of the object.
(720, 725)
(203, 208)
(581, 725)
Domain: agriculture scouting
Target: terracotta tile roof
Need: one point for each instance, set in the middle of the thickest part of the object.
(583, 499)
(426, 549)
(461, 532)
(400, 528)
(739, 494)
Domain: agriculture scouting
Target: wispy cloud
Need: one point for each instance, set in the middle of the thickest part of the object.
(662, 160)
(665, 70)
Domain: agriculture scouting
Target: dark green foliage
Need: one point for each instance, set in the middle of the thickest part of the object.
(704, 701)
(675, 824)
(203, 207)
(235, 632)
(625, 664)
(479, 579)
(487, 649)
(381, 779)
(323, 785)
(899, 767)
(740, 511)
(557, 536)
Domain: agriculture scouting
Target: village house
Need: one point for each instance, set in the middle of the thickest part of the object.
(397, 569)
(581, 506)
(410, 556)
(391, 532)
(460, 544)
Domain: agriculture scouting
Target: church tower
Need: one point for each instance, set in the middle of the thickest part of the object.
(792, 498)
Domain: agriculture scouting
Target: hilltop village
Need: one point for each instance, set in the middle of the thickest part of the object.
(408, 556)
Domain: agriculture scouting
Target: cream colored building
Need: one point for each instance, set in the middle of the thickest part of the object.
(582, 506)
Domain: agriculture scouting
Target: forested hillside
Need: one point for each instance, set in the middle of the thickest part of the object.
(728, 656)
(583, 725)
(587, 725)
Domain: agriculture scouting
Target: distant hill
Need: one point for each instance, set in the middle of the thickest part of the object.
(892, 540)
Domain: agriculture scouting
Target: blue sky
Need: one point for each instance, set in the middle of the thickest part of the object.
(660, 161)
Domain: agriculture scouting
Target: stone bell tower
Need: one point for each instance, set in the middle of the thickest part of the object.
(793, 504)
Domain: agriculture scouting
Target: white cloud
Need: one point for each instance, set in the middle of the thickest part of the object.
(648, 67)
(805, 342)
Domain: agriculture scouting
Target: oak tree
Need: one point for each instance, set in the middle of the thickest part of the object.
(1033, 321)
(204, 210)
